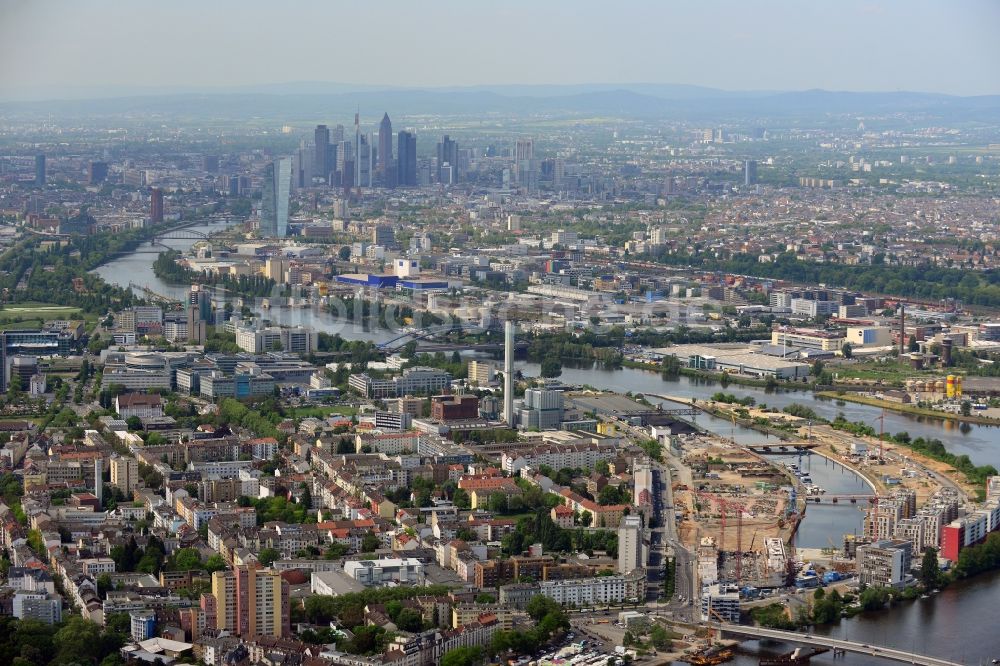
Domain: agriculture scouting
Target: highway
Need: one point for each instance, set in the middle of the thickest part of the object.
(825, 641)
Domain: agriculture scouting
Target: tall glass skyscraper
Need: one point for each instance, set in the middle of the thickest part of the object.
(274, 200)
(406, 162)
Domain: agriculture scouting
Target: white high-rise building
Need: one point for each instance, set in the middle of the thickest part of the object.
(630, 545)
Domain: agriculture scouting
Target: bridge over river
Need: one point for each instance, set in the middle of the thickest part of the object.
(826, 641)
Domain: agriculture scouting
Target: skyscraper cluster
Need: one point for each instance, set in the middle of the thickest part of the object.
(376, 159)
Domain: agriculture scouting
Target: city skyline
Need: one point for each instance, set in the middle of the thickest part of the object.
(921, 46)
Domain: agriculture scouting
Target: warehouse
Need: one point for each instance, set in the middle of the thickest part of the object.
(368, 280)
(759, 365)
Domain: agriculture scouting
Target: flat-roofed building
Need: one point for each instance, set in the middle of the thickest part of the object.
(373, 573)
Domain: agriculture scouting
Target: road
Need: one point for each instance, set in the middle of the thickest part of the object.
(663, 539)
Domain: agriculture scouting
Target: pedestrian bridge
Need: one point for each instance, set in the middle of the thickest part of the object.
(826, 641)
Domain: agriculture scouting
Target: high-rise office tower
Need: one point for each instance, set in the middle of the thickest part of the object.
(363, 161)
(558, 171)
(199, 313)
(384, 235)
(345, 153)
(525, 169)
(97, 172)
(274, 199)
(406, 158)
(385, 170)
(331, 163)
(40, 170)
(302, 168)
(447, 153)
(750, 172)
(321, 166)
(630, 544)
(524, 149)
(156, 206)
(201, 298)
(508, 373)
(357, 149)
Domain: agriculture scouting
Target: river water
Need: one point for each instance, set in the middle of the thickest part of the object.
(137, 268)
(958, 624)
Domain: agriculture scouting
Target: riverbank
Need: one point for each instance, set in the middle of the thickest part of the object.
(908, 409)
(722, 377)
(833, 445)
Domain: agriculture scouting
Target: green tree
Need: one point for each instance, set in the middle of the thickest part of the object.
(370, 543)
(497, 502)
(185, 559)
(659, 637)
(78, 641)
(966, 407)
(540, 605)
(930, 572)
(874, 598)
(463, 656)
(609, 495)
(215, 563)
(409, 619)
(267, 556)
(847, 350)
(551, 367)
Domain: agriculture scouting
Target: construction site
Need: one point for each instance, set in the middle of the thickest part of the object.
(737, 505)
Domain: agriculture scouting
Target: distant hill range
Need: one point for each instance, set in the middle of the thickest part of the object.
(310, 100)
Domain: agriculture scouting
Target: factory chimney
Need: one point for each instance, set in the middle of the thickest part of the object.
(902, 329)
(508, 373)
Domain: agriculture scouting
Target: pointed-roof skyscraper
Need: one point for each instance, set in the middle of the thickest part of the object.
(385, 170)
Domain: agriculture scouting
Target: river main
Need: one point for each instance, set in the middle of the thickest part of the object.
(958, 624)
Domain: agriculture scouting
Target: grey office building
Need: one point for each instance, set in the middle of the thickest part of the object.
(274, 200)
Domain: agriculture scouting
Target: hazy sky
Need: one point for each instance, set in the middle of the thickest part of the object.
(61, 46)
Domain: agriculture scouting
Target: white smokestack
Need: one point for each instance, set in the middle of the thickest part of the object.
(508, 373)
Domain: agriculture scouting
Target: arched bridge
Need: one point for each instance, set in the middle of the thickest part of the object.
(178, 234)
(157, 242)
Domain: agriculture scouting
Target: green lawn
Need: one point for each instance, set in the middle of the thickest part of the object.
(321, 411)
(888, 371)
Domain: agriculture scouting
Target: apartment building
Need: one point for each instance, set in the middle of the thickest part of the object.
(582, 592)
(884, 563)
